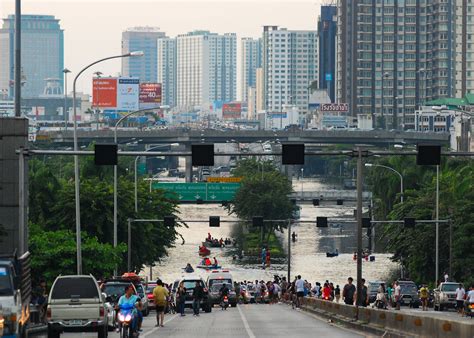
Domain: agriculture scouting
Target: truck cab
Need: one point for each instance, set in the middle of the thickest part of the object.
(14, 296)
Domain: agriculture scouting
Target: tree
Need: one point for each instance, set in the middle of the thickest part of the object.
(264, 195)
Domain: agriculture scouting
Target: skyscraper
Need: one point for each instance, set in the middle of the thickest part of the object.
(327, 29)
(394, 56)
(141, 39)
(42, 53)
(167, 70)
(206, 68)
(464, 48)
(251, 59)
(289, 66)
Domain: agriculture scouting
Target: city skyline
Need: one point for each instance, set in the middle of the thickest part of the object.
(84, 42)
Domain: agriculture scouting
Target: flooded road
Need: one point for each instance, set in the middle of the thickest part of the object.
(308, 253)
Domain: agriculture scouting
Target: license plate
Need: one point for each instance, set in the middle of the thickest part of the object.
(75, 322)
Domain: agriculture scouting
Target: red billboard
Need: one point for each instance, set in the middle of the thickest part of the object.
(104, 92)
(150, 93)
(231, 110)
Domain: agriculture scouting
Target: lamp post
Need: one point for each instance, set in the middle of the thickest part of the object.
(395, 171)
(136, 171)
(76, 157)
(115, 170)
(65, 71)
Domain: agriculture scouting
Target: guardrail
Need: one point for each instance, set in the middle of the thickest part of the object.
(394, 323)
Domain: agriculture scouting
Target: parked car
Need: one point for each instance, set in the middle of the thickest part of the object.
(409, 294)
(75, 304)
(445, 296)
(372, 290)
(189, 284)
(149, 294)
(250, 293)
(215, 296)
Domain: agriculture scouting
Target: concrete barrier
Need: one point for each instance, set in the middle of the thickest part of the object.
(394, 323)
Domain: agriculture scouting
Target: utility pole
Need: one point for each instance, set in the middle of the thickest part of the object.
(17, 58)
(289, 251)
(359, 229)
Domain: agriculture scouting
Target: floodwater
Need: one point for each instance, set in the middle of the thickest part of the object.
(308, 253)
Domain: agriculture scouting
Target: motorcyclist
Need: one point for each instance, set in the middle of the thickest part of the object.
(224, 291)
(130, 301)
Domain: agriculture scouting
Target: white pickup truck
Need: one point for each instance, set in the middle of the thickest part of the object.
(75, 304)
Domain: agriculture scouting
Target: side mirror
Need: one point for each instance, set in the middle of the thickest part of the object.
(104, 297)
(436, 290)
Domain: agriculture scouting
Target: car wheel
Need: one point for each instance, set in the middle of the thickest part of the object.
(208, 308)
(53, 333)
(103, 332)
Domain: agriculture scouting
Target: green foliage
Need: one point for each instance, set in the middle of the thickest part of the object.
(262, 193)
(52, 208)
(415, 248)
(54, 253)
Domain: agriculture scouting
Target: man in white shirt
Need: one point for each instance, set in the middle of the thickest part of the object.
(470, 296)
(299, 284)
(397, 294)
(460, 293)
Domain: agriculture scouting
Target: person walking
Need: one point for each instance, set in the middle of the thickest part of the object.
(264, 256)
(299, 284)
(160, 294)
(267, 259)
(397, 292)
(348, 292)
(424, 297)
(363, 300)
(460, 295)
(198, 293)
(181, 298)
(337, 293)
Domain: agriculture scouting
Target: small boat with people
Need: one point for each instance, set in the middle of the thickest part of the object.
(204, 251)
(332, 254)
(188, 268)
(207, 264)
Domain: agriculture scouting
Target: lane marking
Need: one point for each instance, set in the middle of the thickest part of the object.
(246, 324)
(156, 328)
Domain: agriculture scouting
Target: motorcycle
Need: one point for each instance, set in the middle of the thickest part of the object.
(469, 310)
(126, 321)
(224, 303)
(380, 302)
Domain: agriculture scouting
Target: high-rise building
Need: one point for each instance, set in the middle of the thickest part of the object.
(206, 69)
(289, 66)
(259, 90)
(167, 70)
(251, 59)
(327, 29)
(396, 55)
(141, 39)
(464, 48)
(42, 54)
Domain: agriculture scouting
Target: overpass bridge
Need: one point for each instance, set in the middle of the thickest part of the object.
(187, 137)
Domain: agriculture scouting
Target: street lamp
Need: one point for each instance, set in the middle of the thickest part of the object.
(65, 71)
(395, 171)
(76, 157)
(136, 175)
(97, 110)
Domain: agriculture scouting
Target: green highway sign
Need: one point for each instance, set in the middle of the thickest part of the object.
(208, 192)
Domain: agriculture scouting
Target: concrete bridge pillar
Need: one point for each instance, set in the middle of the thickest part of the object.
(188, 170)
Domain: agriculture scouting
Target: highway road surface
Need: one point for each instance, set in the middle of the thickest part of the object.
(251, 320)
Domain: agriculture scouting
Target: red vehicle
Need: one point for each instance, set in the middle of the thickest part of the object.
(149, 295)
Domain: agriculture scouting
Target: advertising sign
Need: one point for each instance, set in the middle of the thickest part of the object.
(127, 93)
(104, 92)
(328, 76)
(277, 115)
(150, 94)
(231, 110)
(335, 107)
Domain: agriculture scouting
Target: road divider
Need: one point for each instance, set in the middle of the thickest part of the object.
(392, 322)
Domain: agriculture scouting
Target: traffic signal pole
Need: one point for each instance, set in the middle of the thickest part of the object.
(359, 229)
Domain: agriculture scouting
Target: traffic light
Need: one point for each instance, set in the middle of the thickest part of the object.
(105, 154)
(428, 155)
(214, 221)
(169, 221)
(366, 222)
(321, 222)
(202, 154)
(315, 202)
(292, 154)
(409, 222)
(340, 202)
(257, 221)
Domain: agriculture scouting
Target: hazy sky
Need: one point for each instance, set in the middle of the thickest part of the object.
(92, 28)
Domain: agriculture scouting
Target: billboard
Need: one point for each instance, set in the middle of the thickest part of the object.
(150, 94)
(104, 92)
(335, 107)
(115, 93)
(127, 93)
(232, 110)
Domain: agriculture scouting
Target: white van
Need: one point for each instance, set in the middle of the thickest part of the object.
(220, 276)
